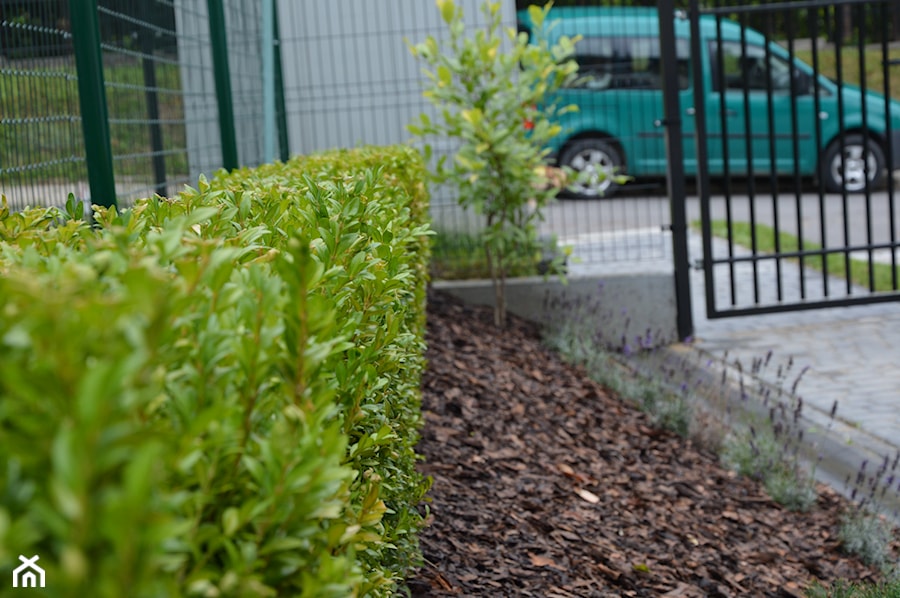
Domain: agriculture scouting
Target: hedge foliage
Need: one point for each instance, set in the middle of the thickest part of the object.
(218, 394)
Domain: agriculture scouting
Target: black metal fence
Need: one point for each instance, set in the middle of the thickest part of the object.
(798, 141)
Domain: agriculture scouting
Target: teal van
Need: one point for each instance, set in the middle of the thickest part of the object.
(620, 101)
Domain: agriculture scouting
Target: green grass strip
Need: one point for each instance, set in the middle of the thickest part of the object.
(460, 255)
(835, 263)
(844, 589)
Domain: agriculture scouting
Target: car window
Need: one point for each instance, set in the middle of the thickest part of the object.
(747, 69)
(625, 63)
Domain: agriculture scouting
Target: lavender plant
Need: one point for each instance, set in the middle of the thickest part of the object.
(771, 449)
(842, 589)
(865, 531)
(612, 361)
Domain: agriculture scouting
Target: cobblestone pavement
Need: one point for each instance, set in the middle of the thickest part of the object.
(853, 353)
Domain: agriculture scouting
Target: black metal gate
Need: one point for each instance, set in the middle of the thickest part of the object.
(792, 129)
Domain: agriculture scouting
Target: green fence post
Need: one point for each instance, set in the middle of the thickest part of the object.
(92, 99)
(222, 74)
(280, 109)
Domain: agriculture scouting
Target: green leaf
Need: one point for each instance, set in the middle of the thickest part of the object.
(536, 14)
(445, 76)
(282, 545)
(231, 521)
(473, 116)
(448, 10)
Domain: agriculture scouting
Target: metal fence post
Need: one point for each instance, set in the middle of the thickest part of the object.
(222, 73)
(92, 100)
(280, 109)
(675, 153)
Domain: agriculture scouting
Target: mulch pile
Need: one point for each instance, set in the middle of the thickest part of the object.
(547, 485)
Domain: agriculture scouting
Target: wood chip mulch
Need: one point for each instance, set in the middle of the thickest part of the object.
(546, 485)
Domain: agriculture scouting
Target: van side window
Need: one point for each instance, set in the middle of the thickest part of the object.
(748, 70)
(625, 63)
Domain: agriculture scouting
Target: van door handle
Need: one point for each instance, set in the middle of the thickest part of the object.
(730, 112)
(691, 111)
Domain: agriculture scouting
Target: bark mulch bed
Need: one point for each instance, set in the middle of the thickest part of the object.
(547, 485)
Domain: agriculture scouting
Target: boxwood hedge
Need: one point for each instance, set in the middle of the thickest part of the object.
(218, 394)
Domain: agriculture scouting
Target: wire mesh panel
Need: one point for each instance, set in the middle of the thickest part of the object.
(350, 79)
(244, 35)
(196, 77)
(42, 152)
(616, 130)
(244, 38)
(144, 97)
(159, 90)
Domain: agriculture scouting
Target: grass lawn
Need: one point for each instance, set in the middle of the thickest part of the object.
(835, 263)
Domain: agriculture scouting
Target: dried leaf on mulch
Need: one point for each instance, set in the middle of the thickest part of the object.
(546, 485)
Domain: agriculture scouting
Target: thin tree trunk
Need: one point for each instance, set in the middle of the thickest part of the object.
(498, 279)
(494, 265)
(500, 290)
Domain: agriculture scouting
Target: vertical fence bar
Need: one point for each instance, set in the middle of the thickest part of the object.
(813, 23)
(148, 43)
(92, 99)
(862, 33)
(749, 153)
(675, 152)
(773, 158)
(280, 109)
(889, 134)
(700, 131)
(222, 74)
(726, 160)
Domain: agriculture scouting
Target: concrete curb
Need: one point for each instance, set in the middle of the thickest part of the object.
(645, 298)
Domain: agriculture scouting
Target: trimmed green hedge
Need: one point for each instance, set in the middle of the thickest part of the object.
(219, 394)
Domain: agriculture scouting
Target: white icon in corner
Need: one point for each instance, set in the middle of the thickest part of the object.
(28, 574)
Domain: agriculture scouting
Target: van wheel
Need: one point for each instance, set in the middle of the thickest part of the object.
(594, 161)
(850, 173)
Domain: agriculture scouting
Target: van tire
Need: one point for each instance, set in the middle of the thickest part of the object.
(599, 154)
(833, 179)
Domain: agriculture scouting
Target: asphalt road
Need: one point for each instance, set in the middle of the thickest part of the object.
(828, 219)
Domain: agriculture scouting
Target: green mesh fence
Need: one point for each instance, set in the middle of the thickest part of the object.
(144, 96)
(42, 150)
(159, 89)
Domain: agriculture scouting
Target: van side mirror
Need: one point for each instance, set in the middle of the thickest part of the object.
(802, 82)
